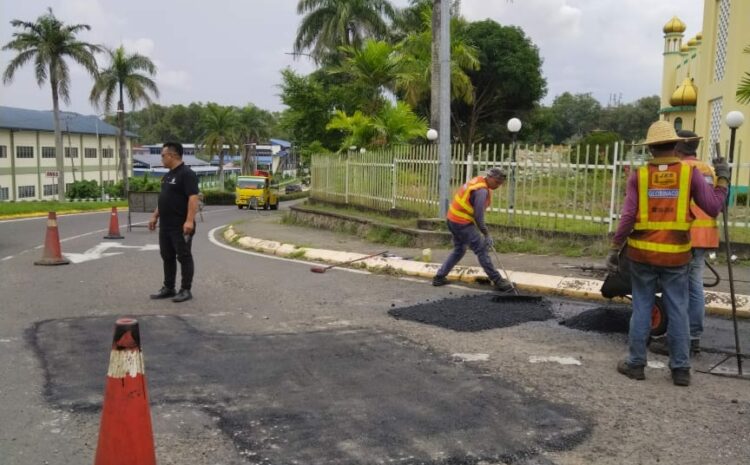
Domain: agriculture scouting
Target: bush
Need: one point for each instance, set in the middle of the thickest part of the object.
(83, 190)
(213, 197)
(293, 196)
(230, 184)
(144, 183)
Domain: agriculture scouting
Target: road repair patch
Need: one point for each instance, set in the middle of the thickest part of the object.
(609, 319)
(327, 397)
(474, 313)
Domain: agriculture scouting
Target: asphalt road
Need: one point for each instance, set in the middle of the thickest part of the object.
(273, 364)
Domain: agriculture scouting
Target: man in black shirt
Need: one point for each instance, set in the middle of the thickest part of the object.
(178, 204)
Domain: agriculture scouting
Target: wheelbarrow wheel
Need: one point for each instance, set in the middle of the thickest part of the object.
(658, 318)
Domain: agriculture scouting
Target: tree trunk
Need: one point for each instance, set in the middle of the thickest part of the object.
(221, 165)
(123, 145)
(58, 140)
(435, 68)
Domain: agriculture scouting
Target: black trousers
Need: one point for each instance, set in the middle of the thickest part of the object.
(174, 247)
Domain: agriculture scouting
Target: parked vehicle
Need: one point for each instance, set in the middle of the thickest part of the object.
(256, 191)
(292, 188)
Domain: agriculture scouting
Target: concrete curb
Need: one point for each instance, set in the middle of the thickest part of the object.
(717, 303)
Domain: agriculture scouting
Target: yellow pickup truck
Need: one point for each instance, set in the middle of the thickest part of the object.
(256, 192)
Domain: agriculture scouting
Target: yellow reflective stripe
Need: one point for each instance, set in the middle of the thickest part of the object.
(642, 195)
(461, 214)
(704, 223)
(683, 197)
(463, 201)
(658, 247)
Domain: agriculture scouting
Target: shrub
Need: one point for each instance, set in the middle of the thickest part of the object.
(86, 189)
(144, 183)
(293, 196)
(214, 197)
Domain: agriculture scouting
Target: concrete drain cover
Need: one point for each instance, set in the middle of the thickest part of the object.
(331, 397)
(610, 319)
(474, 313)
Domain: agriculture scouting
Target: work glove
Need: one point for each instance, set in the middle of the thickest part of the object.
(721, 167)
(488, 242)
(613, 260)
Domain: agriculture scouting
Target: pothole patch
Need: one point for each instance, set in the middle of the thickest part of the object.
(608, 319)
(474, 313)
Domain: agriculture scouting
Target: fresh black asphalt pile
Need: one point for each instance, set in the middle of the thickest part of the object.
(608, 319)
(474, 313)
(351, 397)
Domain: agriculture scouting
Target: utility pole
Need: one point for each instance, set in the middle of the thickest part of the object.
(444, 129)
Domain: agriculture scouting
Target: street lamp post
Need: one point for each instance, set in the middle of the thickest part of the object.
(514, 125)
(734, 120)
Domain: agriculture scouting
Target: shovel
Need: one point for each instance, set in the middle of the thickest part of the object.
(516, 296)
(323, 269)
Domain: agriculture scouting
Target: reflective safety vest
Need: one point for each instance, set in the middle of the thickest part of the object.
(661, 233)
(704, 232)
(461, 211)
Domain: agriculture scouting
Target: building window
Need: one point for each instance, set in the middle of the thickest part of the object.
(89, 153)
(71, 152)
(24, 151)
(3, 151)
(50, 189)
(722, 34)
(4, 193)
(25, 192)
(714, 129)
(108, 153)
(48, 152)
(677, 124)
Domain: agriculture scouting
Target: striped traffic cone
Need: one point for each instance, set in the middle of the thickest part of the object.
(52, 255)
(125, 435)
(114, 226)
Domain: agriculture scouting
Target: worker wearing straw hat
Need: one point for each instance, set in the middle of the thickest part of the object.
(655, 223)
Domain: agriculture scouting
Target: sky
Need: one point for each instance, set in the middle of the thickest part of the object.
(232, 51)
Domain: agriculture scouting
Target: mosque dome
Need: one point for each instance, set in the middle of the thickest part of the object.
(674, 25)
(699, 36)
(685, 95)
(692, 42)
(684, 48)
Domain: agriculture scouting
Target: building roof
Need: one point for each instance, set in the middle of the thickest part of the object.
(38, 120)
(154, 161)
(283, 143)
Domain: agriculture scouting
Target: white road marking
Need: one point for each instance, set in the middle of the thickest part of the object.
(100, 251)
(656, 364)
(471, 357)
(554, 359)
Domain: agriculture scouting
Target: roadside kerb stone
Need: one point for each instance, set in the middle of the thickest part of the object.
(717, 303)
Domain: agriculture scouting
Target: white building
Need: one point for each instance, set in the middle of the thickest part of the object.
(28, 167)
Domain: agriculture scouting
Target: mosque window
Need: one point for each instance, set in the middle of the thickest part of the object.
(677, 124)
(715, 128)
(722, 34)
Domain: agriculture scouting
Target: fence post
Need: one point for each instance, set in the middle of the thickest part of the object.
(394, 171)
(346, 181)
(469, 165)
(610, 220)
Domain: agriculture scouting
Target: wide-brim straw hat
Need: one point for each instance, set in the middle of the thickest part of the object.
(662, 132)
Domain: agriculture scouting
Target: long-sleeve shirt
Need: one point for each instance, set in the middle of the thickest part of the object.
(711, 199)
(478, 199)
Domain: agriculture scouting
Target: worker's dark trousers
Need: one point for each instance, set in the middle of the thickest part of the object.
(467, 235)
(174, 248)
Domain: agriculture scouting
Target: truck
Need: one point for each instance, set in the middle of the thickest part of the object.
(256, 191)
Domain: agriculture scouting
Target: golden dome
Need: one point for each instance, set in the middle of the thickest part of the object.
(685, 95)
(692, 42)
(684, 48)
(699, 36)
(674, 25)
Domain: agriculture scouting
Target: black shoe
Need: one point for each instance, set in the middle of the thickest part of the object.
(681, 376)
(659, 346)
(631, 371)
(439, 280)
(503, 286)
(183, 295)
(164, 293)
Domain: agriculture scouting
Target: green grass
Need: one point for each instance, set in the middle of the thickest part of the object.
(14, 209)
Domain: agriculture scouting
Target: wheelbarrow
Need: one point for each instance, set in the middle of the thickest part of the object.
(617, 284)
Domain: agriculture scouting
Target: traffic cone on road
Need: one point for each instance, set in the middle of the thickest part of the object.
(125, 435)
(114, 226)
(52, 254)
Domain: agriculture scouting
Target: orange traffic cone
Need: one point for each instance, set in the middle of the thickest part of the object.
(114, 226)
(52, 254)
(125, 435)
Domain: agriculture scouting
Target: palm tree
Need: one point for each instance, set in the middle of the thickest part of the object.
(743, 90)
(220, 126)
(124, 77)
(254, 125)
(329, 24)
(47, 42)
